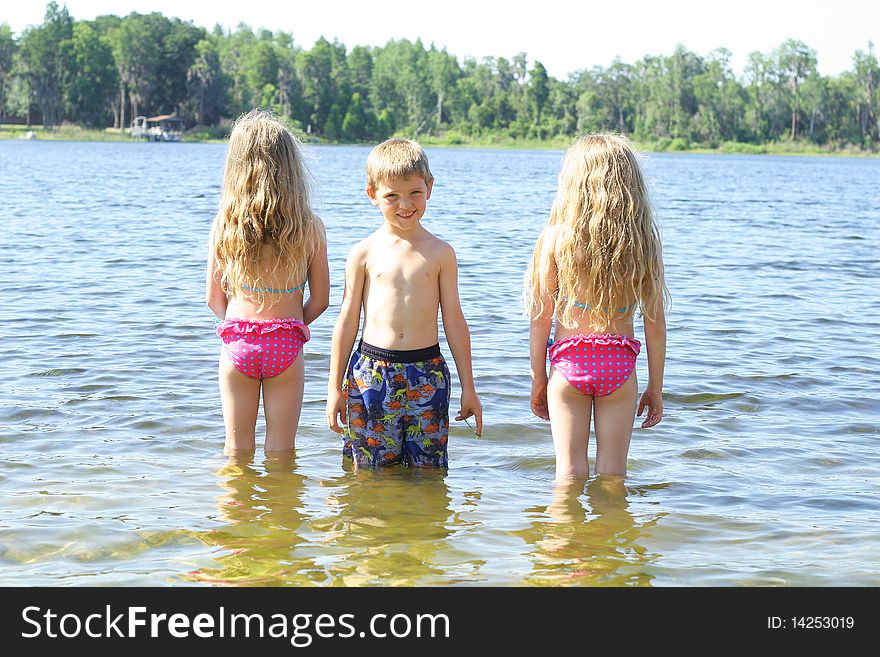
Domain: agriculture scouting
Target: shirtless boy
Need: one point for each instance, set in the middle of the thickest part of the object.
(393, 400)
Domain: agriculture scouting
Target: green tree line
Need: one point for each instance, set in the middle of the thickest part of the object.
(104, 72)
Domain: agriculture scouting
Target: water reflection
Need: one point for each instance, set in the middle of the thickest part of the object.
(262, 507)
(592, 545)
(388, 527)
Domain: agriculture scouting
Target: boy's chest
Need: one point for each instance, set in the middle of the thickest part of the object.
(404, 268)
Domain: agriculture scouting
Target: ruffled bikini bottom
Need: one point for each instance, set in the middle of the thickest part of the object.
(262, 348)
(595, 364)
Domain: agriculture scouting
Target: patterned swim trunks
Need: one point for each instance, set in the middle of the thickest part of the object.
(398, 407)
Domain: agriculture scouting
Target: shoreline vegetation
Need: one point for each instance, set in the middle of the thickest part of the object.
(169, 79)
(451, 139)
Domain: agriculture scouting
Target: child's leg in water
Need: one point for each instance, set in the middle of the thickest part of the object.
(282, 403)
(613, 417)
(570, 411)
(240, 398)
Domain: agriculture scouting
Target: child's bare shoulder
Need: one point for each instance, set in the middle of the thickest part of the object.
(440, 250)
(361, 249)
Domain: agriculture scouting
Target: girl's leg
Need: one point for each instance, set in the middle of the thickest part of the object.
(240, 398)
(282, 403)
(613, 421)
(570, 425)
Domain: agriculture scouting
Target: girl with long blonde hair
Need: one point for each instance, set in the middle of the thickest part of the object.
(596, 262)
(266, 247)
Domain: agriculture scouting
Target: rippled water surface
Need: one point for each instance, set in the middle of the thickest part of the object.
(763, 472)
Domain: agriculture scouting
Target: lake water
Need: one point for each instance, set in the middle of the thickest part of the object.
(765, 470)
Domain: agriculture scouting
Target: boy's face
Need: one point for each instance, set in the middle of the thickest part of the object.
(401, 200)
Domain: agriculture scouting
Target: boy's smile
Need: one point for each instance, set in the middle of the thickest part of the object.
(402, 201)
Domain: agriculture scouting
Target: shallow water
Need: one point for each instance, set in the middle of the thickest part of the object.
(763, 472)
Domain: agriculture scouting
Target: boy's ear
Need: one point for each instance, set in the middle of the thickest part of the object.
(430, 187)
(372, 194)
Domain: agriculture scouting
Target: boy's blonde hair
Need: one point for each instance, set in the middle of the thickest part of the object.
(397, 158)
(265, 201)
(602, 235)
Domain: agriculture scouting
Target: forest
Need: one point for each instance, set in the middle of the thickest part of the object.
(104, 72)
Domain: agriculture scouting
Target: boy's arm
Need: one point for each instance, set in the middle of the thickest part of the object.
(540, 326)
(344, 334)
(655, 338)
(319, 279)
(215, 297)
(459, 338)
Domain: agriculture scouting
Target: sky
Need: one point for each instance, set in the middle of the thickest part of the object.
(564, 35)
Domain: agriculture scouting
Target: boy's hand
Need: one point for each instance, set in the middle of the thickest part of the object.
(470, 405)
(539, 399)
(336, 410)
(653, 401)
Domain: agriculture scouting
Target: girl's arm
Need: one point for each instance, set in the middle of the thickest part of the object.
(655, 339)
(215, 297)
(344, 334)
(319, 279)
(539, 332)
(459, 337)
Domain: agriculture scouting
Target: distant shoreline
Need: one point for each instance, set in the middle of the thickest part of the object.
(75, 133)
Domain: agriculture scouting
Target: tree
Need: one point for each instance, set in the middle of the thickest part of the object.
(207, 83)
(444, 72)
(360, 70)
(756, 75)
(233, 49)
(137, 48)
(797, 61)
(682, 67)
(616, 90)
(538, 90)
(316, 69)
(813, 94)
(8, 49)
(867, 81)
(92, 78)
(260, 64)
(842, 122)
(45, 49)
(359, 122)
(177, 56)
(289, 87)
(719, 99)
(560, 114)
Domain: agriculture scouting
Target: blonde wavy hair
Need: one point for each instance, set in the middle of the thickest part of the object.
(264, 203)
(602, 235)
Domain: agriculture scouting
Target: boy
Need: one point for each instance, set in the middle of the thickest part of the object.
(396, 392)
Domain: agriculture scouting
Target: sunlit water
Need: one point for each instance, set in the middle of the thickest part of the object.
(763, 472)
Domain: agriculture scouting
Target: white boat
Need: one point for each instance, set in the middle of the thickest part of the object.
(165, 127)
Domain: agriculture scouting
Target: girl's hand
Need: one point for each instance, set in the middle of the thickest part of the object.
(336, 410)
(653, 401)
(538, 399)
(470, 405)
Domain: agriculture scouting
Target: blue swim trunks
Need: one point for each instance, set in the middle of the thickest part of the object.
(398, 407)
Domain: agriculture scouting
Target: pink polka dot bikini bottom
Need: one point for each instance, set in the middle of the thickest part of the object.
(262, 348)
(595, 364)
